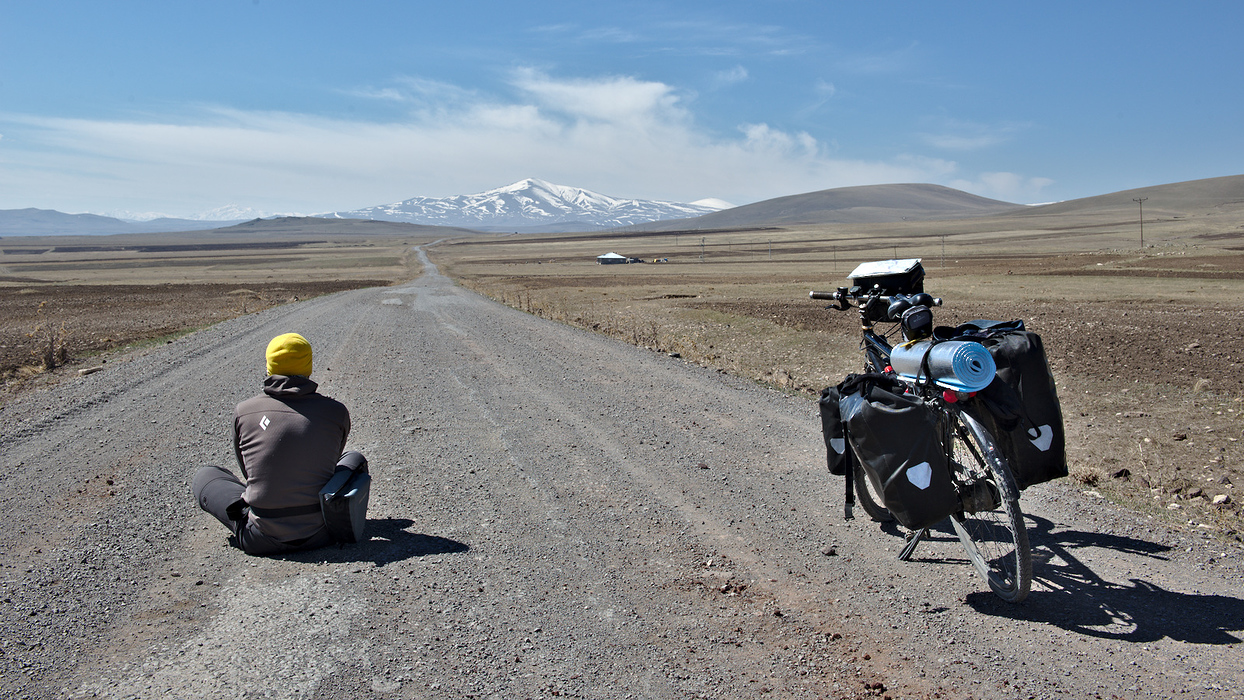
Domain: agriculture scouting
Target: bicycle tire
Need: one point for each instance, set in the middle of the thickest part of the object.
(869, 497)
(994, 537)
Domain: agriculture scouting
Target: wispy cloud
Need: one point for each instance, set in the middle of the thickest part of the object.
(698, 37)
(880, 61)
(718, 37)
(610, 35)
(616, 134)
(574, 32)
(732, 76)
(822, 92)
(388, 94)
(415, 90)
(1008, 187)
(958, 135)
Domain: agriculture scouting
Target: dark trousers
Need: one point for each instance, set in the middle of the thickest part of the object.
(218, 491)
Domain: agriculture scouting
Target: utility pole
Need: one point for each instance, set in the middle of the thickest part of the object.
(701, 249)
(1141, 202)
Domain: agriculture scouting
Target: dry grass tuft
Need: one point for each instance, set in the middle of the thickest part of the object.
(1087, 476)
(51, 347)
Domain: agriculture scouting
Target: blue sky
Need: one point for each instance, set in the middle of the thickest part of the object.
(180, 108)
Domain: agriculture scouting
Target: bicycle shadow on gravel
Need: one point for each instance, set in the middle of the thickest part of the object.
(388, 541)
(1070, 595)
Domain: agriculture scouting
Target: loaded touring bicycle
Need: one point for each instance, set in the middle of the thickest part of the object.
(943, 422)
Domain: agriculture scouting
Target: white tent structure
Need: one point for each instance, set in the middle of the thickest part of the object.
(611, 259)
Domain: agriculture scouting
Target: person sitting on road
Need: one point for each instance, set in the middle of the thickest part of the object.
(289, 441)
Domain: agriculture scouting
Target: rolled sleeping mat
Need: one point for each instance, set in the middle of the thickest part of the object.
(960, 365)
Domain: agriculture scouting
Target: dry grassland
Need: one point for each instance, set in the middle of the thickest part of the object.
(1145, 343)
(75, 299)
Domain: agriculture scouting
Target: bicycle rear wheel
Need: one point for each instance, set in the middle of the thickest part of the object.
(869, 496)
(991, 526)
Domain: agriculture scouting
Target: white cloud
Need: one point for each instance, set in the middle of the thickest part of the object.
(730, 77)
(612, 35)
(622, 100)
(959, 142)
(1008, 187)
(895, 60)
(958, 135)
(822, 92)
(617, 135)
(388, 94)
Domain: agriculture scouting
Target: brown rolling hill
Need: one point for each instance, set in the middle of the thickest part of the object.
(311, 225)
(846, 205)
(879, 204)
(1191, 198)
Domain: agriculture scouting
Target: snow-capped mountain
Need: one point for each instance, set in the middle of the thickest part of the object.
(531, 205)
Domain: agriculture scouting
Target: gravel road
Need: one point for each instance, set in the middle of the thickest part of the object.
(553, 514)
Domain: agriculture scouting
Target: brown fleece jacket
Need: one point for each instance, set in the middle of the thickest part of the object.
(287, 441)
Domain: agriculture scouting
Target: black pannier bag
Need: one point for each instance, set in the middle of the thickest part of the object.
(1020, 408)
(832, 429)
(896, 437)
(343, 501)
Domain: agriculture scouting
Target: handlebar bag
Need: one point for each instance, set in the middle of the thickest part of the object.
(896, 437)
(834, 432)
(1020, 408)
(343, 501)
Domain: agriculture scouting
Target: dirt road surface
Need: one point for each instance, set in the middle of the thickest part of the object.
(553, 514)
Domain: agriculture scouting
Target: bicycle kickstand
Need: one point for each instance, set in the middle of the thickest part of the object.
(914, 540)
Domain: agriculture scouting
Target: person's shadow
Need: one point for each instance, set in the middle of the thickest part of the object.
(1070, 595)
(388, 541)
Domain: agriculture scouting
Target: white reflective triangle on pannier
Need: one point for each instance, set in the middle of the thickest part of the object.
(839, 445)
(1043, 439)
(920, 475)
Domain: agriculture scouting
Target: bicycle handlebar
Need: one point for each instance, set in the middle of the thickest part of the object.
(845, 296)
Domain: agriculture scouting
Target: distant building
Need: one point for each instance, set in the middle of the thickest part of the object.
(612, 259)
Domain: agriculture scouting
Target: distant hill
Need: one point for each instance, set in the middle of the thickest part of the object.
(312, 225)
(48, 222)
(1192, 197)
(846, 205)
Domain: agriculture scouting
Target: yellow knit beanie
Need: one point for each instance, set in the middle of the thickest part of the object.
(289, 354)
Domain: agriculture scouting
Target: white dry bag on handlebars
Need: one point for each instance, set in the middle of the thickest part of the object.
(897, 439)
